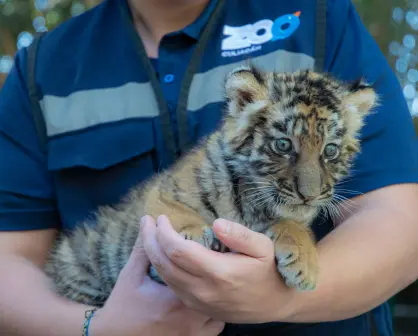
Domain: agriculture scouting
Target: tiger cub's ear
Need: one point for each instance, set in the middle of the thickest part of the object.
(361, 97)
(357, 104)
(245, 86)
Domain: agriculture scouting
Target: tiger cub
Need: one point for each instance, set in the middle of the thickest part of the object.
(285, 141)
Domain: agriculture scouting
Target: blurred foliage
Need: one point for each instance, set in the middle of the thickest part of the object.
(19, 15)
(20, 19)
(416, 124)
(377, 16)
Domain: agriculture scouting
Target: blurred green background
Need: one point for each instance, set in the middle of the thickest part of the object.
(20, 19)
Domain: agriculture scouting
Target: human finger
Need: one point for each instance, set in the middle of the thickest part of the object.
(137, 266)
(243, 240)
(167, 270)
(187, 254)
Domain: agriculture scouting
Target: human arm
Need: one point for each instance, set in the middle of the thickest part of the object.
(374, 240)
(29, 222)
(139, 305)
(372, 255)
(29, 306)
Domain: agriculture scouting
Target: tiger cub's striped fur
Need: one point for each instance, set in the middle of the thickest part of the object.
(286, 140)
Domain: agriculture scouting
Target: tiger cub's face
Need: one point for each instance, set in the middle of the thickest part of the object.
(292, 136)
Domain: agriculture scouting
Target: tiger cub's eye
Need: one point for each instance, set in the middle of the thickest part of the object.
(282, 146)
(331, 151)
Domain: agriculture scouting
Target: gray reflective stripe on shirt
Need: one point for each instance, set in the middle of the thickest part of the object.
(89, 108)
(207, 87)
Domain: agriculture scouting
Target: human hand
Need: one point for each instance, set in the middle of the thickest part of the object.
(239, 287)
(140, 306)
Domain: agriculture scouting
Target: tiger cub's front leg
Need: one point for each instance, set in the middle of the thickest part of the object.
(296, 254)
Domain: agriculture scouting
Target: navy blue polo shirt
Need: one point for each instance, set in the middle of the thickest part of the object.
(105, 133)
(174, 53)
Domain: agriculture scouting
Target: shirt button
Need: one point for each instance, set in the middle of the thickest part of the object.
(168, 78)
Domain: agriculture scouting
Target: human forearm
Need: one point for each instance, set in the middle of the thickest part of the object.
(29, 307)
(363, 262)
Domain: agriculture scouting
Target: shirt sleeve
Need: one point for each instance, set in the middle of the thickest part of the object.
(389, 146)
(26, 191)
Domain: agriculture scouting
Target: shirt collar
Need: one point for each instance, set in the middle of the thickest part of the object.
(195, 28)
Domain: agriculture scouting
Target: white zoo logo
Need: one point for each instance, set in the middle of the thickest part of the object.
(248, 35)
(249, 38)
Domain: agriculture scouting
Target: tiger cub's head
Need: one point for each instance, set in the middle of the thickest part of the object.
(291, 137)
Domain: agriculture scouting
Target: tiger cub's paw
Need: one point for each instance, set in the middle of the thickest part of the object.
(202, 235)
(153, 274)
(298, 265)
(296, 255)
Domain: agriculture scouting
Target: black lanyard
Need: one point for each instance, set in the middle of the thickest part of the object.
(181, 112)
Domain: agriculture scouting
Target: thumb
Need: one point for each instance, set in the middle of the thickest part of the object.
(137, 266)
(243, 240)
